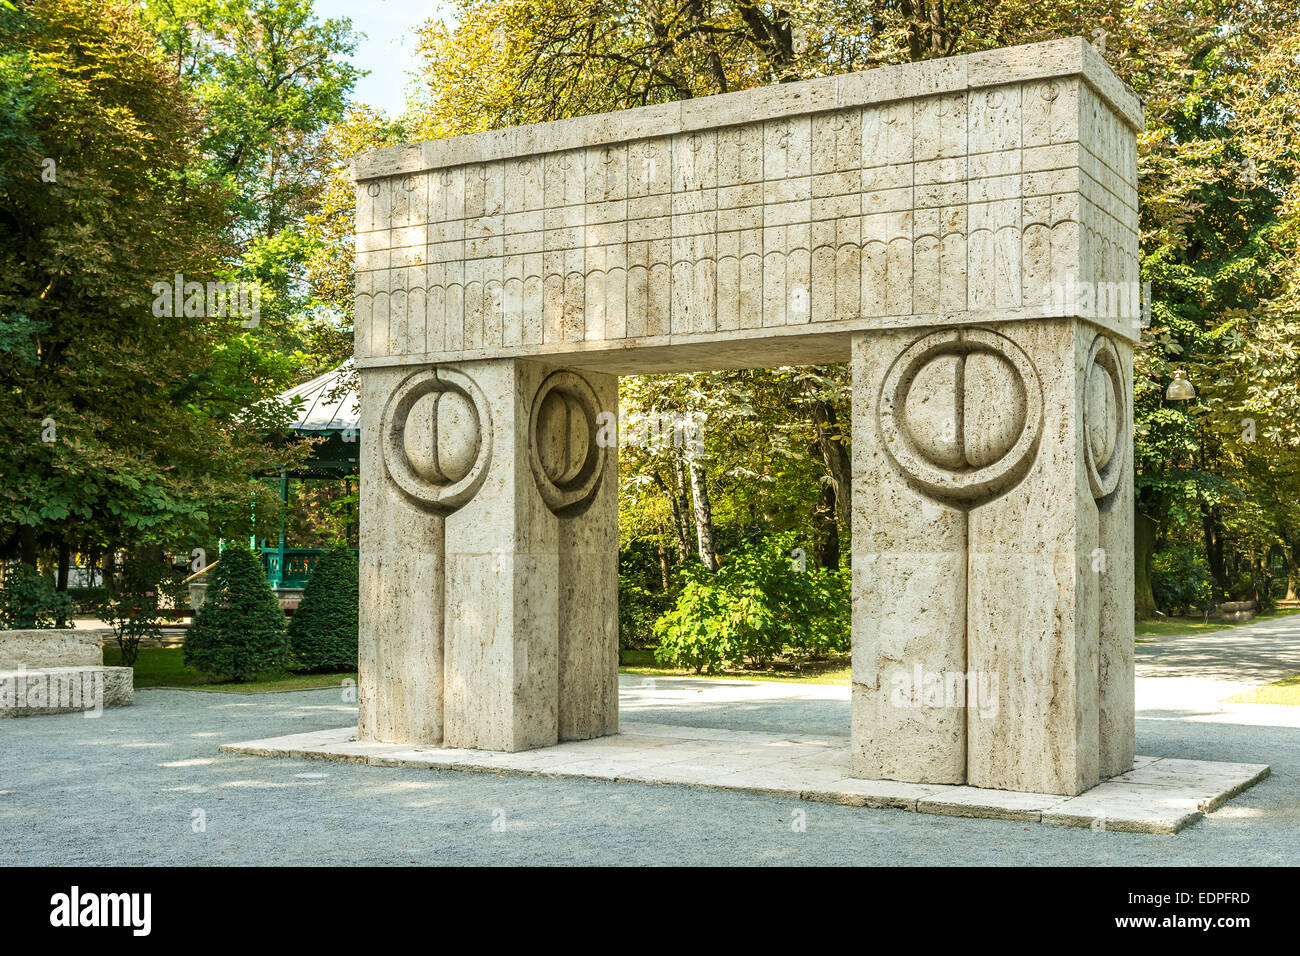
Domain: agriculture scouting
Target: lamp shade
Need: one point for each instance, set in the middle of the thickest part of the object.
(1180, 389)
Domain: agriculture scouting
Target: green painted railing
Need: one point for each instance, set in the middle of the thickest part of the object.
(298, 564)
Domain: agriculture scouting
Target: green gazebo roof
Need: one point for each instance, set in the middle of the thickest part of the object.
(328, 407)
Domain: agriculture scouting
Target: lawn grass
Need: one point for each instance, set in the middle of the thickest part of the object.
(1284, 691)
(837, 670)
(1181, 626)
(831, 671)
(165, 667)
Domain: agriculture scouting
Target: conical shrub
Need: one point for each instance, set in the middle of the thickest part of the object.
(323, 631)
(239, 631)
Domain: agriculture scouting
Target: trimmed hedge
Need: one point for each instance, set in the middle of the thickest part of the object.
(239, 630)
(323, 631)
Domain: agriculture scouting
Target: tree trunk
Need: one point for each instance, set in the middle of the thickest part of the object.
(679, 520)
(839, 471)
(827, 551)
(1144, 546)
(663, 564)
(65, 558)
(27, 544)
(1213, 529)
(1292, 571)
(107, 571)
(703, 515)
(683, 507)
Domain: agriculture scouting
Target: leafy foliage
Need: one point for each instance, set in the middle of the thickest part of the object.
(28, 600)
(760, 604)
(323, 631)
(239, 630)
(135, 603)
(641, 598)
(1181, 580)
(113, 439)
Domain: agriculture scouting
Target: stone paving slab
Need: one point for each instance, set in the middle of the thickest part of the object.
(1158, 796)
(990, 804)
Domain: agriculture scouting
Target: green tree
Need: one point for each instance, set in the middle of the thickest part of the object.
(269, 78)
(760, 605)
(239, 630)
(135, 604)
(110, 436)
(28, 600)
(323, 631)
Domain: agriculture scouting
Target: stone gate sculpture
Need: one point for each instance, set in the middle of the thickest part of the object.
(962, 231)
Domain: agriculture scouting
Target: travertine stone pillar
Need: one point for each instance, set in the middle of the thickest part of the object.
(506, 478)
(588, 593)
(501, 617)
(1115, 575)
(992, 561)
(1033, 603)
(401, 580)
(909, 585)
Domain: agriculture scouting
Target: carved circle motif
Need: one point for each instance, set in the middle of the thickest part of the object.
(566, 459)
(1104, 415)
(437, 438)
(961, 414)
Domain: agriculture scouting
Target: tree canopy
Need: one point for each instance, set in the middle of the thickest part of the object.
(213, 137)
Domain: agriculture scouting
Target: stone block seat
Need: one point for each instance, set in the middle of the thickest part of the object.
(59, 671)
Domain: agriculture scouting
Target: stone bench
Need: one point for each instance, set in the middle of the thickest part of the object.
(65, 690)
(1236, 612)
(49, 647)
(59, 671)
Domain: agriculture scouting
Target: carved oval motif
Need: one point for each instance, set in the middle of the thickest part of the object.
(562, 437)
(1105, 416)
(1101, 415)
(436, 438)
(964, 410)
(442, 436)
(567, 460)
(961, 413)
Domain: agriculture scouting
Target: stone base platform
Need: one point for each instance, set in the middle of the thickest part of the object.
(1158, 796)
(65, 690)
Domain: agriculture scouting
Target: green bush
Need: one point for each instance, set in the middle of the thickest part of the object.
(239, 630)
(323, 631)
(760, 604)
(1180, 580)
(638, 610)
(136, 603)
(30, 600)
(85, 600)
(641, 598)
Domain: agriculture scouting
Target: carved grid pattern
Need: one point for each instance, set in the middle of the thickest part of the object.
(973, 201)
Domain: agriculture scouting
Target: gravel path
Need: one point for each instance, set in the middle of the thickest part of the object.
(129, 787)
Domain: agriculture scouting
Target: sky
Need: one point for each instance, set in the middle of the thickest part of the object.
(388, 50)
